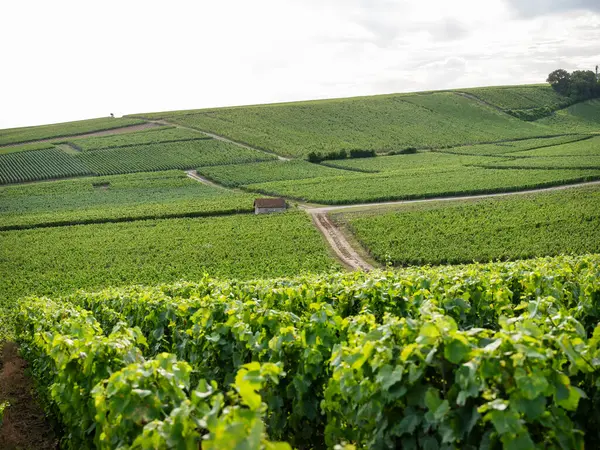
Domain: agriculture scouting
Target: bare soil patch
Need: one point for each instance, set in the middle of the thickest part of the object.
(24, 425)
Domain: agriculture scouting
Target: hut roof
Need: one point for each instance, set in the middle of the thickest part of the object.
(269, 203)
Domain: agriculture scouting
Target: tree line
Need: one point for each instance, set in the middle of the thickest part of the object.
(578, 85)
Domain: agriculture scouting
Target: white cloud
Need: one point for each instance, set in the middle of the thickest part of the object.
(68, 60)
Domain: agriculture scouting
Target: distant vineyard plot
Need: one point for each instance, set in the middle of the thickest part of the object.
(188, 154)
(581, 117)
(40, 165)
(115, 198)
(512, 227)
(402, 185)
(25, 134)
(149, 136)
(242, 174)
(381, 123)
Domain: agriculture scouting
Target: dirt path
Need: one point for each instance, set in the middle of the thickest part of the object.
(24, 425)
(326, 209)
(193, 174)
(339, 244)
(121, 130)
(218, 137)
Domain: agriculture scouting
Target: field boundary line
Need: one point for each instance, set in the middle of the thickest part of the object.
(217, 137)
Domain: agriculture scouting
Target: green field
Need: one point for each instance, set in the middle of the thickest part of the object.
(25, 147)
(167, 156)
(149, 136)
(382, 123)
(38, 165)
(510, 147)
(234, 175)
(587, 147)
(63, 259)
(579, 118)
(548, 162)
(424, 161)
(25, 134)
(56, 163)
(515, 227)
(457, 180)
(157, 311)
(520, 97)
(115, 198)
(501, 354)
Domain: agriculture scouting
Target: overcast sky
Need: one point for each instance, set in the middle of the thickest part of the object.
(69, 60)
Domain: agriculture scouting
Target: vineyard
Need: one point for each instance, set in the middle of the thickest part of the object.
(581, 117)
(520, 97)
(39, 165)
(25, 134)
(498, 355)
(412, 184)
(149, 136)
(380, 123)
(518, 227)
(115, 198)
(155, 310)
(235, 175)
(187, 154)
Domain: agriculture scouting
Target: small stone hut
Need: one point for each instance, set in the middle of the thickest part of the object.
(269, 205)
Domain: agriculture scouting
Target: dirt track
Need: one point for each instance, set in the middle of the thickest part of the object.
(193, 174)
(339, 244)
(24, 425)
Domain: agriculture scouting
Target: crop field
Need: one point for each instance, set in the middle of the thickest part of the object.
(115, 198)
(548, 162)
(365, 188)
(50, 261)
(504, 354)
(520, 97)
(581, 117)
(380, 123)
(25, 147)
(25, 134)
(510, 147)
(587, 147)
(522, 226)
(55, 163)
(234, 175)
(167, 156)
(149, 136)
(37, 165)
(425, 161)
